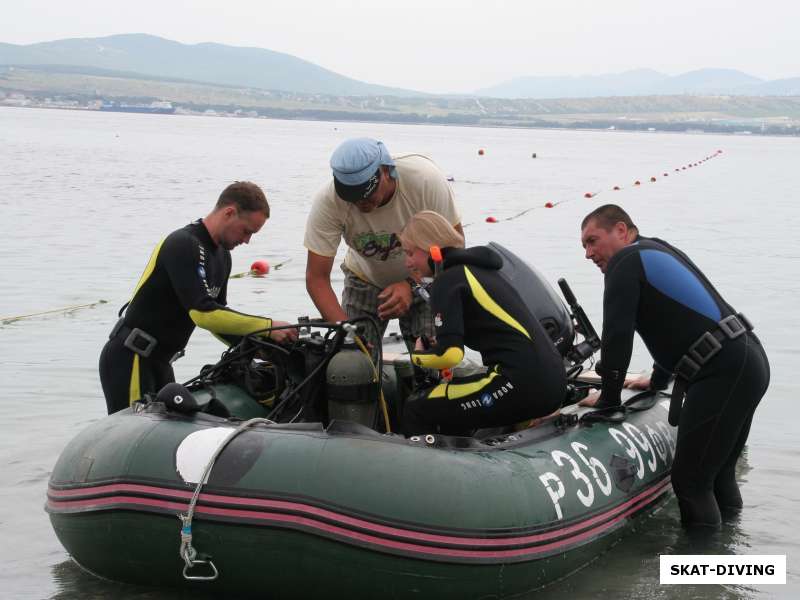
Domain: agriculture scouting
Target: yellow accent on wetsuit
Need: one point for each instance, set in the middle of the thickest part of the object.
(135, 389)
(454, 391)
(483, 298)
(148, 270)
(449, 358)
(229, 322)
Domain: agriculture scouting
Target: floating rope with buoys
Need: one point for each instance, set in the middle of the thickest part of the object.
(589, 195)
(66, 310)
(259, 268)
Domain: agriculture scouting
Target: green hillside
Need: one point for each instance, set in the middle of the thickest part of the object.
(149, 55)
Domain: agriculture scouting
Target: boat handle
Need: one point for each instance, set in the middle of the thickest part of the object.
(214, 573)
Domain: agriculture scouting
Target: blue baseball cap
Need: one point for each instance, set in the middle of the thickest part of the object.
(356, 167)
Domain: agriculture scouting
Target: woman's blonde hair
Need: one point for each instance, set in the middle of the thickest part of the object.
(428, 228)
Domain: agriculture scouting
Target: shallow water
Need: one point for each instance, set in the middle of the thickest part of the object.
(86, 196)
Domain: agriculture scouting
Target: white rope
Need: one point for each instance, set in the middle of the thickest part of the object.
(187, 551)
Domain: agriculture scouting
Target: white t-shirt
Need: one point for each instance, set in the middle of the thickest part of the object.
(375, 253)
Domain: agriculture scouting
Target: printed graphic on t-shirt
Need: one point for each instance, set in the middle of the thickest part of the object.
(381, 245)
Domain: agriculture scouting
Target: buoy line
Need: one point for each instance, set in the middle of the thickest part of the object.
(259, 268)
(589, 195)
(65, 310)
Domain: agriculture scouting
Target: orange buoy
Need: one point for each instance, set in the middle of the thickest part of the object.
(480, 152)
(637, 182)
(491, 220)
(616, 188)
(548, 205)
(588, 195)
(259, 268)
(652, 179)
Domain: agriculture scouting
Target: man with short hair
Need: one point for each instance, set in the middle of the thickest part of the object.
(183, 285)
(654, 289)
(371, 197)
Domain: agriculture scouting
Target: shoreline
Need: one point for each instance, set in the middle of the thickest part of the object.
(676, 127)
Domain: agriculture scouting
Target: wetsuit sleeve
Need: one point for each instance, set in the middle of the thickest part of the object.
(620, 304)
(447, 306)
(180, 257)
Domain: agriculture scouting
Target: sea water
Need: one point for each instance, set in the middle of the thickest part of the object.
(85, 197)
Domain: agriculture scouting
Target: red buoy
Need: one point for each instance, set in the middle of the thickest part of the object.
(719, 151)
(480, 152)
(616, 188)
(588, 195)
(491, 220)
(652, 179)
(259, 268)
(666, 174)
(548, 205)
(637, 182)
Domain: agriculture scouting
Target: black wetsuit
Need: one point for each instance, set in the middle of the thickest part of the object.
(654, 289)
(184, 285)
(473, 305)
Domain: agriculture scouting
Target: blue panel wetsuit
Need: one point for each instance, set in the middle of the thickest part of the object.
(656, 290)
(184, 284)
(473, 305)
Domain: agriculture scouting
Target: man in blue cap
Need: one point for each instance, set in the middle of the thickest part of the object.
(370, 199)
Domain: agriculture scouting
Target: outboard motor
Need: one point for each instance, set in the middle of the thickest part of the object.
(540, 298)
(351, 387)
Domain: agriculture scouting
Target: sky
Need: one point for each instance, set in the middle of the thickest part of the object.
(446, 46)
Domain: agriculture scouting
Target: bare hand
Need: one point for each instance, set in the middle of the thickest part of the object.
(419, 346)
(640, 382)
(396, 300)
(591, 399)
(283, 336)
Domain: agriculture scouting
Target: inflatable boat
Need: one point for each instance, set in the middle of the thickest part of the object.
(277, 472)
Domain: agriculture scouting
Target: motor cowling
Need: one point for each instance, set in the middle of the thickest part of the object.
(540, 298)
(351, 387)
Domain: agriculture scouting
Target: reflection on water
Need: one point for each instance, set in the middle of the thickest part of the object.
(73, 583)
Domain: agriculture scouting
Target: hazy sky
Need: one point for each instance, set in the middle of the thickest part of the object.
(450, 46)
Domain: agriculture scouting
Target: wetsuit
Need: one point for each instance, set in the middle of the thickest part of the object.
(184, 284)
(473, 305)
(656, 290)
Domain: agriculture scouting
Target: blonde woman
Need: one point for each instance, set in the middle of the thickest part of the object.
(474, 306)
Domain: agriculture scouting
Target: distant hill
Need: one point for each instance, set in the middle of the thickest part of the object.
(643, 82)
(207, 62)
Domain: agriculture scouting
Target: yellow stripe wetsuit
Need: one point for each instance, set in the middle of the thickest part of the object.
(473, 305)
(183, 285)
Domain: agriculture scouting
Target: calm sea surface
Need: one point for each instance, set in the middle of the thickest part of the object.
(84, 198)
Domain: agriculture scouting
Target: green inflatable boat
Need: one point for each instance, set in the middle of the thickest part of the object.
(275, 473)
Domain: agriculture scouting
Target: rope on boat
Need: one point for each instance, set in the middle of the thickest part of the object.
(187, 551)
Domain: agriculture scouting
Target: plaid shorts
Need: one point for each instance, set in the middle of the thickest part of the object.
(360, 298)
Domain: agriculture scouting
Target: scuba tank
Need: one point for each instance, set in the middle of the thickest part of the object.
(351, 386)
